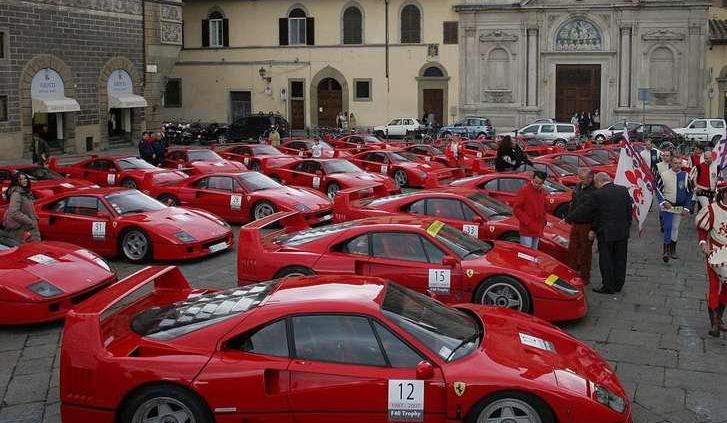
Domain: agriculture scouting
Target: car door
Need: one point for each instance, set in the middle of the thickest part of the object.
(82, 220)
(340, 373)
(175, 160)
(376, 162)
(546, 133)
(507, 189)
(304, 174)
(102, 172)
(698, 130)
(249, 376)
(215, 194)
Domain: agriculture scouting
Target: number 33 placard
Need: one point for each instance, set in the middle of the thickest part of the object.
(440, 280)
(406, 400)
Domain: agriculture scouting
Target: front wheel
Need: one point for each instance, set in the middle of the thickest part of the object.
(511, 407)
(503, 291)
(401, 178)
(600, 138)
(136, 246)
(294, 271)
(129, 183)
(167, 403)
(255, 166)
(332, 190)
(559, 143)
(262, 209)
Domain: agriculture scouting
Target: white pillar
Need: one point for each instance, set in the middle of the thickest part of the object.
(532, 67)
(59, 126)
(624, 75)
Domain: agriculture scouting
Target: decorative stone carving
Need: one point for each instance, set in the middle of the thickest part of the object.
(497, 36)
(663, 35)
(578, 35)
(470, 31)
(497, 96)
(171, 33)
(132, 7)
(171, 13)
(432, 50)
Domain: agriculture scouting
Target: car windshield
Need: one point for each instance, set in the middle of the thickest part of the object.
(134, 163)
(370, 139)
(176, 319)
(340, 166)
(40, 173)
(601, 157)
(434, 151)
(563, 169)
(446, 331)
(265, 150)
(203, 156)
(254, 181)
(403, 156)
(553, 187)
(465, 246)
(490, 206)
(591, 161)
(133, 201)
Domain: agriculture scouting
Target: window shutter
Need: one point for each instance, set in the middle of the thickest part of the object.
(450, 33)
(310, 32)
(225, 32)
(283, 31)
(205, 32)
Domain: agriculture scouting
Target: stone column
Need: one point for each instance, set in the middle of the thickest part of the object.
(532, 67)
(695, 67)
(470, 85)
(624, 75)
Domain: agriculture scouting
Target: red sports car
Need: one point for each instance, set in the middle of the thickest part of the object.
(242, 197)
(321, 349)
(359, 142)
(479, 149)
(114, 221)
(111, 171)
(578, 160)
(200, 161)
(428, 153)
(563, 173)
(330, 175)
(505, 186)
(602, 155)
(467, 208)
(303, 148)
(257, 156)
(45, 182)
(422, 253)
(41, 281)
(406, 168)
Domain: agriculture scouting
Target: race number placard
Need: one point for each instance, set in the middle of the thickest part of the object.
(406, 400)
(246, 161)
(236, 202)
(316, 182)
(440, 280)
(98, 230)
(111, 179)
(471, 230)
(384, 169)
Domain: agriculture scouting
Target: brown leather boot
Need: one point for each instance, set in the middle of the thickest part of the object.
(714, 320)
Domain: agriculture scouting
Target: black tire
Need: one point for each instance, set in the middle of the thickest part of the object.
(262, 209)
(600, 138)
(560, 143)
(255, 166)
(562, 210)
(169, 200)
(401, 178)
(504, 291)
(294, 271)
(536, 404)
(128, 251)
(129, 183)
(511, 237)
(176, 395)
(332, 189)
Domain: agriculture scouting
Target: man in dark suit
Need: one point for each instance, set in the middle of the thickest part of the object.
(610, 208)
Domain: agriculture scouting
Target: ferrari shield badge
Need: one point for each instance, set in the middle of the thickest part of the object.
(459, 388)
(469, 272)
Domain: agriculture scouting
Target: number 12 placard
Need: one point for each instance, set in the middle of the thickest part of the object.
(406, 400)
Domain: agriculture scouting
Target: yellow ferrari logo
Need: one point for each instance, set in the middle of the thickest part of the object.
(459, 388)
(469, 273)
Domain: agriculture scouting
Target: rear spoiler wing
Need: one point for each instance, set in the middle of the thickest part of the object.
(250, 239)
(342, 200)
(148, 179)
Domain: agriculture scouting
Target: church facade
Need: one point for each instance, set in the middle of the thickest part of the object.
(554, 58)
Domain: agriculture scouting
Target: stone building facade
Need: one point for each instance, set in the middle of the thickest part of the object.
(70, 70)
(553, 58)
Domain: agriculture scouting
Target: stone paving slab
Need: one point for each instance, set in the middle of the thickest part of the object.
(654, 334)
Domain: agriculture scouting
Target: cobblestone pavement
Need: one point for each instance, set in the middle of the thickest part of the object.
(653, 333)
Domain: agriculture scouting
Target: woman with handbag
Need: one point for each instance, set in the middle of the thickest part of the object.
(20, 216)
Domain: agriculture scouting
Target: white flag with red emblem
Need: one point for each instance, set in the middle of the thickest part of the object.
(632, 175)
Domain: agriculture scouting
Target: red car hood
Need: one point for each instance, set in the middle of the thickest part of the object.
(49, 261)
(426, 167)
(219, 166)
(170, 220)
(530, 348)
(527, 261)
(292, 197)
(360, 178)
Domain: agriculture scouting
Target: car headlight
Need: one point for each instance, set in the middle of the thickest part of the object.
(45, 289)
(609, 399)
(561, 240)
(184, 237)
(302, 208)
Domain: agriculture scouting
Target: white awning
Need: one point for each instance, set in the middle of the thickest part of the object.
(55, 105)
(126, 101)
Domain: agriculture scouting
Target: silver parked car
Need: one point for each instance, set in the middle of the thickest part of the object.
(557, 134)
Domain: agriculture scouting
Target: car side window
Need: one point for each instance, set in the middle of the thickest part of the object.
(532, 129)
(100, 165)
(469, 214)
(220, 183)
(699, 124)
(511, 184)
(541, 168)
(358, 245)
(445, 208)
(492, 185)
(271, 340)
(617, 127)
(201, 184)
(82, 206)
(565, 129)
(716, 124)
(418, 207)
(336, 338)
(549, 129)
(400, 354)
(398, 246)
(434, 254)
(377, 157)
(569, 159)
(395, 122)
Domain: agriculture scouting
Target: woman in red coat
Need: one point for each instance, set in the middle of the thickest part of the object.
(529, 208)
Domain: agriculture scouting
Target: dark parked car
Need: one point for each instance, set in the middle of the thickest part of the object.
(658, 132)
(257, 126)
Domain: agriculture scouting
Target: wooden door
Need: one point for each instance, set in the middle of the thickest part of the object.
(577, 90)
(330, 102)
(434, 103)
(297, 114)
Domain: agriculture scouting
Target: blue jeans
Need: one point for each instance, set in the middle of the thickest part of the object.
(529, 241)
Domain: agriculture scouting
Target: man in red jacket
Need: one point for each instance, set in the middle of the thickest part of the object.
(529, 208)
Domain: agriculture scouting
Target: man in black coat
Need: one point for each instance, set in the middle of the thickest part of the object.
(610, 208)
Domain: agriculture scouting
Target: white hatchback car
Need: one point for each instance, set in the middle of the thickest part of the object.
(703, 130)
(615, 128)
(398, 127)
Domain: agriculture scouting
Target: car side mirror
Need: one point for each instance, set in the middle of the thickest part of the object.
(424, 370)
(319, 172)
(449, 261)
(478, 220)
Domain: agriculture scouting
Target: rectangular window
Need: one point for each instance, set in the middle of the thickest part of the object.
(173, 93)
(296, 89)
(3, 107)
(451, 35)
(216, 37)
(2, 45)
(362, 89)
(296, 31)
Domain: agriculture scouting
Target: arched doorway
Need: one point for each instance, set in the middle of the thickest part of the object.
(433, 84)
(330, 102)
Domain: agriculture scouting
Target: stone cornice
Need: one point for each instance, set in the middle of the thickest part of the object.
(535, 5)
